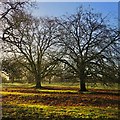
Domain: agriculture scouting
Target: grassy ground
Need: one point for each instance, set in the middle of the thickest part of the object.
(58, 102)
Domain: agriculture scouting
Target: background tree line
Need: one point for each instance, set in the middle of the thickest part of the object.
(83, 45)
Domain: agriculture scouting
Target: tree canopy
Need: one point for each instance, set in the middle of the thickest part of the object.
(83, 41)
(88, 44)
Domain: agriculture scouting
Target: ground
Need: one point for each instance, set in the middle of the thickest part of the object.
(24, 102)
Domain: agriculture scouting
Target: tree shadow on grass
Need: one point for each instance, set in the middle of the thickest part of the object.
(58, 88)
(67, 118)
(105, 92)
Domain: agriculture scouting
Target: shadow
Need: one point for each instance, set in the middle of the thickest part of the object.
(57, 88)
(75, 91)
(64, 118)
(104, 93)
(8, 118)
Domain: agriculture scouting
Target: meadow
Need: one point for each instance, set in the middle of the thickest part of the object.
(59, 102)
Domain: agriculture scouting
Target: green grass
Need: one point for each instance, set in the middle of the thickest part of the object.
(114, 86)
(60, 112)
(22, 101)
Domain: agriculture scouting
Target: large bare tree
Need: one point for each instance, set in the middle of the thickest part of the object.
(88, 44)
(31, 39)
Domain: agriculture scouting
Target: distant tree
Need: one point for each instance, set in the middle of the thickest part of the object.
(87, 42)
(66, 74)
(116, 57)
(62, 73)
(12, 68)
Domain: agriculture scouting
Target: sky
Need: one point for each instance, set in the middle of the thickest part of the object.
(74, 0)
(57, 9)
(60, 8)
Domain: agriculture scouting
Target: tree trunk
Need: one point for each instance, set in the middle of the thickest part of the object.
(49, 81)
(12, 78)
(82, 81)
(82, 85)
(38, 81)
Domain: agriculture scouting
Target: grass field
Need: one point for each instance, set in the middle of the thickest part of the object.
(58, 102)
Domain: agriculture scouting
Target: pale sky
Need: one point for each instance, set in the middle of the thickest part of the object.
(61, 7)
(57, 9)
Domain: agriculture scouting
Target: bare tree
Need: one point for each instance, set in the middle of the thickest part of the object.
(6, 10)
(87, 42)
(31, 39)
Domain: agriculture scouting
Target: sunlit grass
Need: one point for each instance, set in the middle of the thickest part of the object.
(60, 111)
(38, 91)
(17, 85)
(21, 94)
(26, 102)
(114, 86)
(59, 91)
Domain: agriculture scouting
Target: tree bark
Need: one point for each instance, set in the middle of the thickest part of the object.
(49, 81)
(38, 81)
(12, 78)
(82, 84)
(82, 78)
